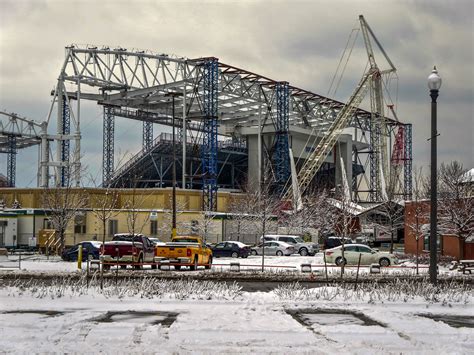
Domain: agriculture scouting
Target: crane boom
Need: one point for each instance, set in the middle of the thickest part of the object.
(317, 157)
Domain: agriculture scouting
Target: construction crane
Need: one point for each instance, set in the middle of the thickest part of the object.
(18, 132)
(379, 162)
(325, 145)
(379, 169)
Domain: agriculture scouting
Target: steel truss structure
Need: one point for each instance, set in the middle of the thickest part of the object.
(217, 100)
(16, 133)
(108, 151)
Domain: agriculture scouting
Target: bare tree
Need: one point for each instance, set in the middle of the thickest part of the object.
(242, 207)
(62, 205)
(419, 213)
(392, 210)
(343, 211)
(320, 214)
(456, 202)
(104, 207)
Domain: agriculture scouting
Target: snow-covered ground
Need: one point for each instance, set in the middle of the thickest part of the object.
(160, 316)
(35, 321)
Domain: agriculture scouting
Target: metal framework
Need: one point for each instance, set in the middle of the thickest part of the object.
(408, 162)
(108, 149)
(17, 133)
(65, 143)
(218, 100)
(209, 148)
(281, 154)
(11, 160)
(147, 134)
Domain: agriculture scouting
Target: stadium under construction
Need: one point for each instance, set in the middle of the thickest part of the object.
(231, 128)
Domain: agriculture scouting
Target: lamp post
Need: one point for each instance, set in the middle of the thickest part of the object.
(173, 223)
(434, 83)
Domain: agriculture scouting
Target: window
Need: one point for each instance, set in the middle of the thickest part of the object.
(364, 249)
(47, 224)
(153, 227)
(350, 248)
(113, 227)
(80, 224)
(284, 239)
(220, 246)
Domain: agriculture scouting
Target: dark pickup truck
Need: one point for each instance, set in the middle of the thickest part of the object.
(128, 249)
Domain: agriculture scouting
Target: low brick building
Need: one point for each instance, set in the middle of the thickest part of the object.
(417, 218)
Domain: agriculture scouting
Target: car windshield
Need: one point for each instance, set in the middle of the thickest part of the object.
(127, 238)
(185, 240)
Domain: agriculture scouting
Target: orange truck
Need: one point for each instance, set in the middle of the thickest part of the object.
(184, 251)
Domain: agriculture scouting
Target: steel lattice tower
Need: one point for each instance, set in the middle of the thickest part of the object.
(209, 148)
(408, 161)
(11, 160)
(65, 144)
(374, 162)
(147, 135)
(108, 148)
(281, 155)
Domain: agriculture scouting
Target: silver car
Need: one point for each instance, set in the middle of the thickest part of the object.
(273, 248)
(301, 247)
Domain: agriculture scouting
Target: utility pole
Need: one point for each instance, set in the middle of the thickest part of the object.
(173, 223)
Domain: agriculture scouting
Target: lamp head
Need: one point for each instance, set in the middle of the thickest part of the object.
(434, 80)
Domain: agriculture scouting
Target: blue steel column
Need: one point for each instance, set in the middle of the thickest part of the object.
(408, 161)
(281, 156)
(209, 148)
(147, 135)
(11, 160)
(65, 144)
(108, 146)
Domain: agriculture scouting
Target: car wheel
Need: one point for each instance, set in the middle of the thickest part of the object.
(279, 253)
(235, 254)
(303, 252)
(209, 264)
(340, 261)
(140, 261)
(254, 252)
(384, 262)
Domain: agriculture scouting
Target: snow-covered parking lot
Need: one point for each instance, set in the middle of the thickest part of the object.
(174, 318)
(148, 314)
(253, 263)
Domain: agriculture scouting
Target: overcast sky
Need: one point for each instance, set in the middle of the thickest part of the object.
(297, 41)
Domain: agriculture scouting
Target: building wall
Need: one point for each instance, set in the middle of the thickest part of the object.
(157, 198)
(8, 231)
(451, 244)
(411, 215)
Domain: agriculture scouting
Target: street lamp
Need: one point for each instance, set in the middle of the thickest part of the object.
(173, 223)
(434, 83)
